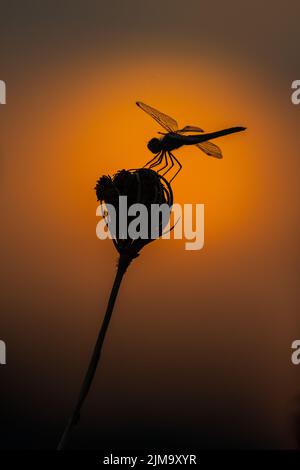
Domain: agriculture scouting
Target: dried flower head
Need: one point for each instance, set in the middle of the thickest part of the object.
(142, 186)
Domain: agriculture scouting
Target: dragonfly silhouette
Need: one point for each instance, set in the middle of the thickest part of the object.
(175, 138)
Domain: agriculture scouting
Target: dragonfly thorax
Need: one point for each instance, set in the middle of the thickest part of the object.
(155, 145)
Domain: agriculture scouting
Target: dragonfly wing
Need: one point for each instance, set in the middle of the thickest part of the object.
(190, 129)
(164, 120)
(210, 149)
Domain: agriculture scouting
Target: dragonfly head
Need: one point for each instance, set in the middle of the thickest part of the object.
(155, 145)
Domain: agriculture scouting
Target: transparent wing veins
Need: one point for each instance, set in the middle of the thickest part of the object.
(164, 120)
(210, 149)
(190, 129)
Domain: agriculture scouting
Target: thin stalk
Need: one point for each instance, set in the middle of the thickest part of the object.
(123, 263)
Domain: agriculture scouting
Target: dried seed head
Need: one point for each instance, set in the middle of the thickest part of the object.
(143, 186)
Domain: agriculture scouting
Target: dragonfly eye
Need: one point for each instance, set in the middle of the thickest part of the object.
(154, 145)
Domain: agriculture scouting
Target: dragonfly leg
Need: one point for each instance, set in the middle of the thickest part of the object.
(172, 164)
(158, 161)
(152, 159)
(180, 166)
(166, 162)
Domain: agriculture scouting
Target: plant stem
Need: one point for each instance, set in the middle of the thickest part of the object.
(123, 263)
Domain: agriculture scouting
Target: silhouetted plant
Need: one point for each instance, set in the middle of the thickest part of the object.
(143, 186)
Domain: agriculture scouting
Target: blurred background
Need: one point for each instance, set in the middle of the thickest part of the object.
(198, 351)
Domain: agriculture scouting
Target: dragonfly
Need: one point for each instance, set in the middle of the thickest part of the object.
(174, 138)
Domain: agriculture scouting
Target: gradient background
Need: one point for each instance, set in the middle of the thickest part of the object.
(198, 352)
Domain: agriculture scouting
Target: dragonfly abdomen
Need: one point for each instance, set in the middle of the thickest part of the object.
(197, 139)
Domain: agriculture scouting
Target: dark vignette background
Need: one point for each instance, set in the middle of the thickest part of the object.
(167, 382)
